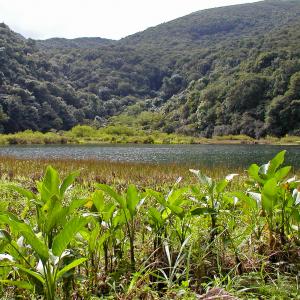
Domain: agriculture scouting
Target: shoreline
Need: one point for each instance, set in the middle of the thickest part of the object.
(202, 142)
(85, 135)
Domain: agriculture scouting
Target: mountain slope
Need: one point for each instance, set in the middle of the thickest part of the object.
(211, 25)
(221, 71)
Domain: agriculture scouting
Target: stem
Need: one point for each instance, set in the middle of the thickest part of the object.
(131, 242)
(282, 231)
(27, 262)
(48, 287)
(132, 258)
(213, 232)
(105, 248)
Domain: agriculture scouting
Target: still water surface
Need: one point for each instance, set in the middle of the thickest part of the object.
(206, 155)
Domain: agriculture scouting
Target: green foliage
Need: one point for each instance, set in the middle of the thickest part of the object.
(126, 241)
(42, 256)
(277, 197)
(82, 131)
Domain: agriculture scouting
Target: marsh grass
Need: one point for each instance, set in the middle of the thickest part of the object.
(109, 172)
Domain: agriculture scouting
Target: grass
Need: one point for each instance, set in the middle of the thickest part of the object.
(117, 173)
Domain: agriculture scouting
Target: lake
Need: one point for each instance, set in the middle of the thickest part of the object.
(206, 155)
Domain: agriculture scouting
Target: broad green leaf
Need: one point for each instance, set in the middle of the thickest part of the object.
(113, 194)
(296, 214)
(125, 215)
(45, 194)
(39, 247)
(93, 237)
(282, 173)
(132, 199)
(26, 193)
(30, 272)
(199, 211)
(269, 194)
(176, 196)
(118, 220)
(253, 172)
(70, 266)
(103, 238)
(98, 201)
(68, 181)
(175, 209)
(196, 190)
(251, 202)
(276, 162)
(157, 195)
(66, 235)
(7, 216)
(54, 213)
(57, 214)
(155, 215)
(24, 229)
(51, 181)
(221, 185)
(108, 212)
(75, 203)
(20, 284)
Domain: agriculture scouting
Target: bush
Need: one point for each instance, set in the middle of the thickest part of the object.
(83, 131)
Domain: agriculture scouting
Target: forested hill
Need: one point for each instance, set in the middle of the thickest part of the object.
(221, 71)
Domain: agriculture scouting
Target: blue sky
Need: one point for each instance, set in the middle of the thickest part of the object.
(113, 19)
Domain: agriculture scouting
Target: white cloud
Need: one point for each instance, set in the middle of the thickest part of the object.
(105, 18)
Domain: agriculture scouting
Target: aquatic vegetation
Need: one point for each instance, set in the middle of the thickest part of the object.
(229, 234)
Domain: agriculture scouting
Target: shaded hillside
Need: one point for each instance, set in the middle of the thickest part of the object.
(220, 71)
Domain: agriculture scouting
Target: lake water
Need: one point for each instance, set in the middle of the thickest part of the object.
(206, 155)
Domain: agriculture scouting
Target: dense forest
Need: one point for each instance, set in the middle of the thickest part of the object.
(231, 70)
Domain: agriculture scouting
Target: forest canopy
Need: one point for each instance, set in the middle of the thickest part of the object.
(231, 70)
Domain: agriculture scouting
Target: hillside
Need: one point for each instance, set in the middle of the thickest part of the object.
(62, 43)
(221, 71)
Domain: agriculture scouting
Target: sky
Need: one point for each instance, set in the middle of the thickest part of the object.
(114, 19)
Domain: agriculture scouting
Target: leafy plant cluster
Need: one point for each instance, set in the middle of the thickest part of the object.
(232, 70)
(138, 242)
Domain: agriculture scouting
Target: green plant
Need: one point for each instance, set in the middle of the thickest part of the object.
(276, 196)
(177, 271)
(39, 245)
(62, 243)
(103, 236)
(210, 198)
(171, 213)
(129, 204)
